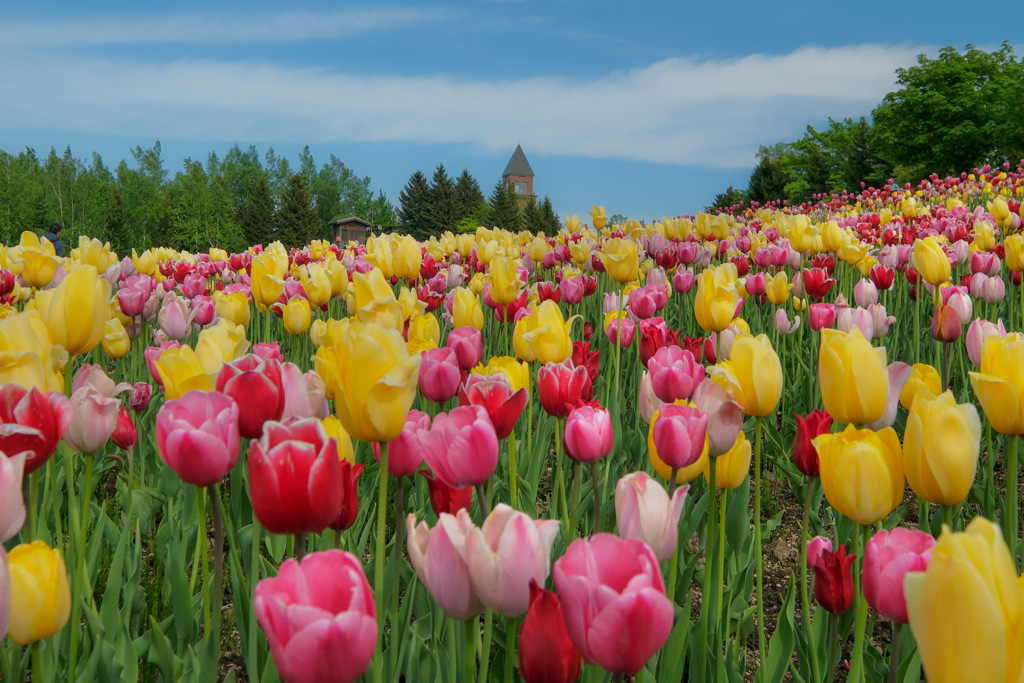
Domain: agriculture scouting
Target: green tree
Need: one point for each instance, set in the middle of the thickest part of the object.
(443, 209)
(506, 211)
(414, 201)
(257, 216)
(953, 113)
(297, 220)
(724, 200)
(202, 211)
(146, 210)
(468, 194)
(381, 211)
(22, 198)
(769, 178)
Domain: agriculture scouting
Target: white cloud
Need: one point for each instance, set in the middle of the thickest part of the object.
(283, 27)
(677, 111)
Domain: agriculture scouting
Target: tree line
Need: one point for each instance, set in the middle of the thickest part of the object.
(230, 202)
(953, 113)
(429, 208)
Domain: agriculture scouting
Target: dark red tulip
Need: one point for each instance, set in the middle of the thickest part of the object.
(560, 387)
(32, 422)
(588, 330)
(833, 580)
(124, 434)
(816, 423)
(443, 498)
(255, 384)
(591, 360)
(546, 653)
(350, 496)
(816, 283)
(494, 394)
(142, 392)
(547, 290)
(882, 276)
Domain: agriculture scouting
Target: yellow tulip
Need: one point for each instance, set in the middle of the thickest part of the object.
(316, 282)
(861, 472)
(372, 379)
(752, 375)
(222, 343)
(684, 474)
(940, 448)
(181, 372)
(925, 378)
(777, 288)
(406, 257)
(833, 236)
(28, 370)
(332, 426)
(854, 377)
(37, 268)
(545, 335)
(466, 310)
(967, 610)
(1014, 246)
(580, 252)
(115, 339)
(375, 301)
(296, 316)
(147, 263)
(931, 261)
(598, 217)
(801, 234)
(78, 310)
(717, 297)
(984, 236)
(999, 385)
(538, 248)
(621, 259)
(266, 283)
(40, 597)
(517, 373)
(94, 253)
(233, 306)
(503, 280)
(339, 278)
(425, 327)
(733, 466)
(853, 250)
(464, 244)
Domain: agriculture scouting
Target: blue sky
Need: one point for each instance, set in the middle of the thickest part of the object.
(647, 108)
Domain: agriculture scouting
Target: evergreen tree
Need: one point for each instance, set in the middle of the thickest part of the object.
(442, 205)
(468, 194)
(548, 221)
(769, 178)
(414, 201)
(257, 216)
(506, 211)
(297, 222)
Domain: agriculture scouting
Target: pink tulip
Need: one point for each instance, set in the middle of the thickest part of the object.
(683, 280)
(815, 547)
(268, 351)
(461, 446)
(880, 320)
(319, 618)
(959, 300)
(782, 323)
(12, 505)
(152, 355)
(725, 417)
(32, 422)
(142, 393)
(865, 293)
(304, 394)
(174, 318)
(675, 373)
(994, 290)
(438, 556)
(495, 395)
(899, 374)
(588, 434)
(985, 262)
(644, 512)
(197, 436)
(821, 316)
(405, 454)
(614, 603)
(888, 557)
(439, 374)
(642, 303)
(203, 312)
(467, 342)
(977, 333)
(504, 555)
(679, 435)
(621, 332)
(94, 376)
(755, 285)
(132, 300)
(95, 418)
(572, 290)
(858, 317)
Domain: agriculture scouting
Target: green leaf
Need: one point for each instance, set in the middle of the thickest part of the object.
(780, 649)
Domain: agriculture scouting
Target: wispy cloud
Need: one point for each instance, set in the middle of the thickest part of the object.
(256, 27)
(678, 111)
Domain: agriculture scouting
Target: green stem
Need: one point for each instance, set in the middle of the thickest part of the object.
(470, 626)
(575, 501)
(75, 529)
(252, 661)
(857, 656)
(947, 516)
(203, 556)
(805, 602)
(832, 648)
(396, 625)
(894, 654)
(720, 572)
(762, 648)
(560, 475)
(300, 546)
(485, 652)
(1011, 494)
(707, 597)
(378, 562)
(513, 475)
(218, 558)
(597, 498)
(511, 627)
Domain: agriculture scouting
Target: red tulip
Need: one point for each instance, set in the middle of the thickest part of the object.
(805, 456)
(124, 434)
(197, 436)
(445, 499)
(495, 395)
(882, 276)
(816, 283)
(255, 384)
(32, 422)
(833, 580)
(350, 496)
(546, 652)
(547, 290)
(582, 356)
(295, 477)
(560, 387)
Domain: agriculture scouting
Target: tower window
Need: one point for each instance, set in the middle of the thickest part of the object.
(520, 188)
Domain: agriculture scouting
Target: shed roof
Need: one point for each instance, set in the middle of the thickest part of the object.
(518, 165)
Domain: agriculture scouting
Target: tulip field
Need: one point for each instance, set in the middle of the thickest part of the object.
(496, 456)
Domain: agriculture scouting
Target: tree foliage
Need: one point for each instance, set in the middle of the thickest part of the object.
(415, 201)
(296, 218)
(506, 211)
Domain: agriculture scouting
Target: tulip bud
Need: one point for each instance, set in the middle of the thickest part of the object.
(444, 499)
(805, 456)
(643, 511)
(888, 557)
(679, 435)
(977, 333)
(815, 547)
(946, 324)
(833, 580)
(546, 653)
(124, 434)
